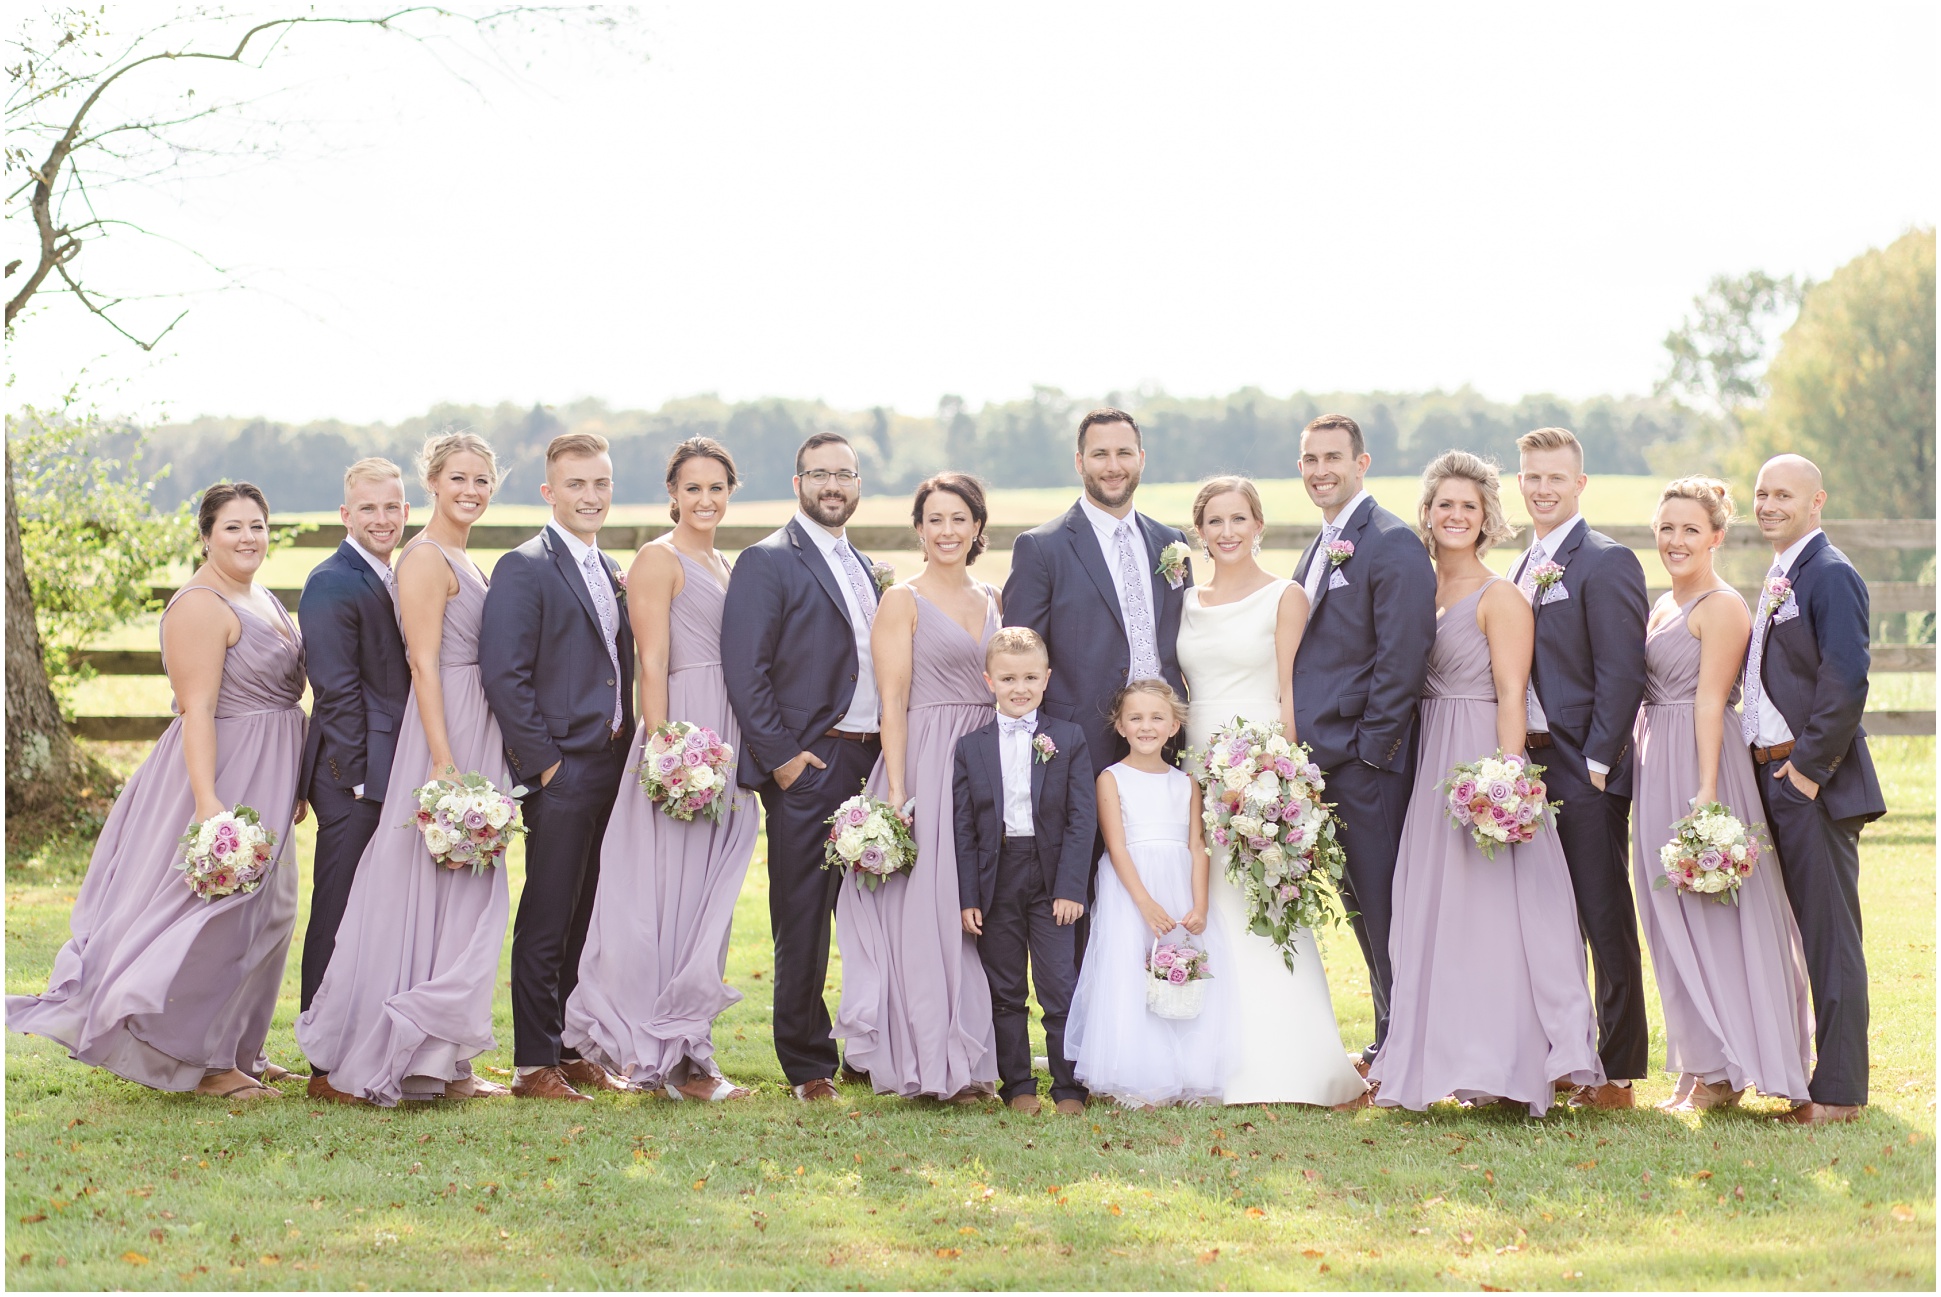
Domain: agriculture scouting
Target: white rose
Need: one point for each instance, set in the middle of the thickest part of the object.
(1234, 778)
(700, 778)
(499, 815)
(1277, 746)
(851, 841)
(1246, 826)
(1272, 857)
(1669, 853)
(436, 842)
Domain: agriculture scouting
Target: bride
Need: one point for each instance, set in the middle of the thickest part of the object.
(1236, 648)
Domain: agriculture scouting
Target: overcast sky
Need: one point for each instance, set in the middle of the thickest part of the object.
(880, 204)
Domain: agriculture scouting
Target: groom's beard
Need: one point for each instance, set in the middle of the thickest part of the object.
(831, 508)
(1111, 500)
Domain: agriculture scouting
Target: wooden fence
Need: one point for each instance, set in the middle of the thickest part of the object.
(1851, 536)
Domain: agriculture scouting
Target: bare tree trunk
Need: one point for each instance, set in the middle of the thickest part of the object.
(42, 759)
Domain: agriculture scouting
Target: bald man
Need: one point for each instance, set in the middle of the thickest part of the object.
(1805, 687)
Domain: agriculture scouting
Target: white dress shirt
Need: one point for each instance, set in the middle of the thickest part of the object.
(864, 714)
(1318, 570)
(1014, 752)
(390, 582)
(577, 550)
(1106, 528)
(1771, 727)
(1542, 550)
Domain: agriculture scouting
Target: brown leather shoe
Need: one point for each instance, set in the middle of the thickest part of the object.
(1360, 1065)
(1820, 1114)
(1070, 1107)
(813, 1091)
(1610, 1096)
(588, 1077)
(475, 1087)
(1025, 1103)
(323, 1091)
(546, 1083)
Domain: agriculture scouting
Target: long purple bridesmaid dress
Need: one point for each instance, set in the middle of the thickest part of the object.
(1732, 978)
(406, 1003)
(916, 1008)
(650, 975)
(1490, 999)
(156, 984)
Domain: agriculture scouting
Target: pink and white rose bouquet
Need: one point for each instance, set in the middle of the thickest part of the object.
(1178, 963)
(1499, 799)
(686, 770)
(1261, 805)
(226, 853)
(870, 840)
(1710, 854)
(466, 821)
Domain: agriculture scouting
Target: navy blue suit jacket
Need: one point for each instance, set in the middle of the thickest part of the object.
(1360, 668)
(788, 650)
(1589, 668)
(1815, 671)
(360, 679)
(543, 658)
(1060, 587)
(1064, 813)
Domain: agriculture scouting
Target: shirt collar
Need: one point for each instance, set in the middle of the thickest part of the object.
(1792, 552)
(820, 534)
(378, 565)
(1555, 540)
(1347, 511)
(578, 548)
(1102, 522)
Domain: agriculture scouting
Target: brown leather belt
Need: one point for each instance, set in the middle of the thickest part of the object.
(848, 735)
(1538, 739)
(1777, 752)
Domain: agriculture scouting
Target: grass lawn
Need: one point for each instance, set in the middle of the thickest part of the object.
(110, 1185)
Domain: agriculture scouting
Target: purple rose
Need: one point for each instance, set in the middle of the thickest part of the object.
(1527, 813)
(1312, 774)
(475, 820)
(667, 763)
(222, 846)
(1176, 975)
(1288, 891)
(1499, 790)
(1710, 859)
(1464, 791)
(1284, 767)
(697, 740)
(856, 816)
(872, 859)
(1163, 957)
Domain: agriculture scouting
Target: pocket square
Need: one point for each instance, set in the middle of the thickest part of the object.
(1555, 594)
(1336, 581)
(1787, 611)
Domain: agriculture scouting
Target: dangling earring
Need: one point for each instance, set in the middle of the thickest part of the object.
(1206, 551)
(1256, 547)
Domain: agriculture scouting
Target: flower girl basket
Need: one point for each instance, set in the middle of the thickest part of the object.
(1176, 1000)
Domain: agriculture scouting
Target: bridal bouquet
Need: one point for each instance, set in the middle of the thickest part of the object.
(466, 821)
(226, 853)
(1176, 979)
(684, 770)
(1262, 803)
(1499, 799)
(1710, 853)
(870, 840)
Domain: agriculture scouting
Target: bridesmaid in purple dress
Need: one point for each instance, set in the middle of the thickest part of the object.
(916, 1008)
(1732, 977)
(406, 1002)
(650, 977)
(1490, 1002)
(156, 984)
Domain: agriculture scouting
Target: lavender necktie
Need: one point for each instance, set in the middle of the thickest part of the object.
(1139, 629)
(1749, 690)
(859, 585)
(602, 591)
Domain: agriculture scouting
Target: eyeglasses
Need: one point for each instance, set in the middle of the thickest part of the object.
(821, 476)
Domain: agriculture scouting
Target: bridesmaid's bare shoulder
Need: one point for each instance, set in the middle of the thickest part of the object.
(1721, 612)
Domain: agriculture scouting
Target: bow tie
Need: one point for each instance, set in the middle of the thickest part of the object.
(1017, 724)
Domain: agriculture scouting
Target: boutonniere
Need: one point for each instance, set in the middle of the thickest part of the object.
(1340, 551)
(620, 586)
(1778, 591)
(1547, 573)
(1172, 564)
(884, 576)
(1043, 747)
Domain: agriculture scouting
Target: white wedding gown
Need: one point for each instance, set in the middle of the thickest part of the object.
(1285, 1030)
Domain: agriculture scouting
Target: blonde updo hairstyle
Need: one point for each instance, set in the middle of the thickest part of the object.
(1470, 468)
(1227, 484)
(438, 450)
(1710, 494)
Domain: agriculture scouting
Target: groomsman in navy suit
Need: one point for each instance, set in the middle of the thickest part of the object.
(1089, 583)
(360, 682)
(1586, 684)
(1804, 689)
(556, 658)
(1358, 675)
(795, 653)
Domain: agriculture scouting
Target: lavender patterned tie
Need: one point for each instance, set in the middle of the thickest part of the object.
(601, 589)
(1749, 687)
(1139, 629)
(859, 585)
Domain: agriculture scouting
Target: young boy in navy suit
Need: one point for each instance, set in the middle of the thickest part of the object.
(1025, 814)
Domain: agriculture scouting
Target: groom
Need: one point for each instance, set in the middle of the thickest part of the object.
(1805, 687)
(556, 658)
(795, 654)
(1358, 674)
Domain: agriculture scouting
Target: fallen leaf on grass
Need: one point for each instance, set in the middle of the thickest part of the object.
(949, 1252)
(1490, 1287)
(1310, 1174)
(1901, 1211)
(134, 1258)
(1115, 1209)
(966, 1230)
(1701, 1175)
(1255, 1212)
(1209, 1257)
(270, 1258)
(34, 1219)
(1470, 1166)
(1585, 1166)
(700, 1184)
(1312, 1254)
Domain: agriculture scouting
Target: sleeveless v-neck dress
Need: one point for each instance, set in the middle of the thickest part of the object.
(156, 984)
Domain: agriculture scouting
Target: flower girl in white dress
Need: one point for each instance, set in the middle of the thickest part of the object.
(1152, 882)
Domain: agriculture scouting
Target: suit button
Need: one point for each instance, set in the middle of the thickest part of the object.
(852, 676)
(609, 682)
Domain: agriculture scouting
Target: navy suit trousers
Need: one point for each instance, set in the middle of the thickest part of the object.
(1021, 935)
(1819, 857)
(802, 900)
(345, 826)
(1594, 830)
(1371, 804)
